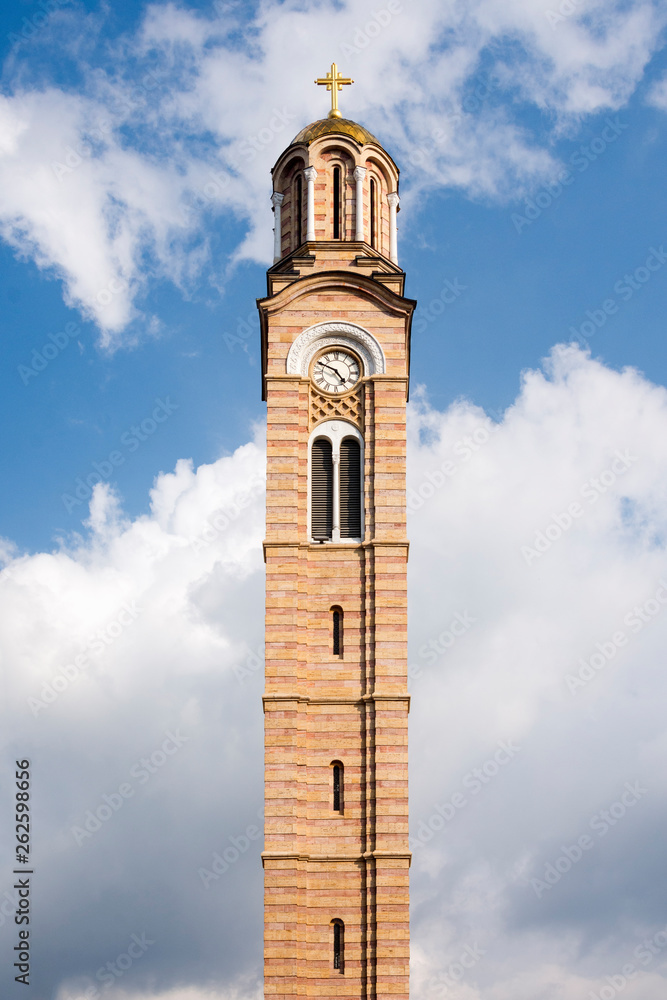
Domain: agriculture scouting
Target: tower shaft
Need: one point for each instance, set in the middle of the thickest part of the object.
(335, 347)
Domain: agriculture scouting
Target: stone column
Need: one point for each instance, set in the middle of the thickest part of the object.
(393, 200)
(277, 200)
(335, 454)
(311, 174)
(359, 174)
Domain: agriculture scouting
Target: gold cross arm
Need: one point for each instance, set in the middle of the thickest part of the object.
(334, 82)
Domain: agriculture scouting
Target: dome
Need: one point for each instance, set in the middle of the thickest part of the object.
(334, 125)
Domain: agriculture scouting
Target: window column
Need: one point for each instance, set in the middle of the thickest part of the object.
(393, 239)
(335, 530)
(359, 174)
(277, 200)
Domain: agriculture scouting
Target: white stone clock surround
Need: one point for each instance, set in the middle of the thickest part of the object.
(335, 333)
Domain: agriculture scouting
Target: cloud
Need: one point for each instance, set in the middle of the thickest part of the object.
(657, 95)
(111, 187)
(132, 660)
(547, 530)
(538, 690)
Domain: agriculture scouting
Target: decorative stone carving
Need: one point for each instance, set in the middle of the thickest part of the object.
(308, 343)
(350, 407)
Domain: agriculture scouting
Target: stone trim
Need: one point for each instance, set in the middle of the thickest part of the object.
(330, 334)
(297, 378)
(336, 545)
(302, 699)
(368, 856)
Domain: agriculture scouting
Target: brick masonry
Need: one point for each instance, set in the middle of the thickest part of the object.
(322, 865)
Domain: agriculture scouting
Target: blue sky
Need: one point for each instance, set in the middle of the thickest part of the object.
(136, 143)
(521, 291)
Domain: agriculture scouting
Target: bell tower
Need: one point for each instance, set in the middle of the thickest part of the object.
(335, 330)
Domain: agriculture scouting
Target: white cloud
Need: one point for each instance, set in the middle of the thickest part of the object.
(538, 620)
(146, 632)
(657, 95)
(174, 600)
(186, 121)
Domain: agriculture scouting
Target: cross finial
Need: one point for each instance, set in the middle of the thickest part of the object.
(334, 82)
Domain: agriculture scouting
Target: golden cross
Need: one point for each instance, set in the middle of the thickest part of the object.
(334, 82)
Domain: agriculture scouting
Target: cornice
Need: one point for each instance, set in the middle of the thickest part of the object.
(304, 699)
(325, 546)
(337, 279)
(368, 857)
(278, 377)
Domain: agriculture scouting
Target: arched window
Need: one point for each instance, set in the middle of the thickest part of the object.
(337, 631)
(336, 483)
(298, 216)
(338, 944)
(337, 782)
(374, 211)
(321, 510)
(336, 203)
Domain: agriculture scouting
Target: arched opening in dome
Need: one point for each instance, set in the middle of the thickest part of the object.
(336, 203)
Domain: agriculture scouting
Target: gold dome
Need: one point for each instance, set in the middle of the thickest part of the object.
(334, 125)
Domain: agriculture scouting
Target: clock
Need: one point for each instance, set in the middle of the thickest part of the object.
(336, 371)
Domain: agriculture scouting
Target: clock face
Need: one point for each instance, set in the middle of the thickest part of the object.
(336, 371)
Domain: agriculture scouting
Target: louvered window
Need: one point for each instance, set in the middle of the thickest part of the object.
(336, 487)
(350, 489)
(321, 490)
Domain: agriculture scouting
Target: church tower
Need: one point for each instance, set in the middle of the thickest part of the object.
(335, 330)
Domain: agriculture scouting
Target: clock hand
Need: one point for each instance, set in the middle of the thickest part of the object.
(331, 368)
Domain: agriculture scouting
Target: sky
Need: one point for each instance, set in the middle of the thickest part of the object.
(136, 142)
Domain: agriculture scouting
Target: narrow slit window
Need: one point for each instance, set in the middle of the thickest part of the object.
(337, 631)
(298, 196)
(337, 788)
(321, 514)
(336, 203)
(350, 489)
(338, 944)
(374, 198)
